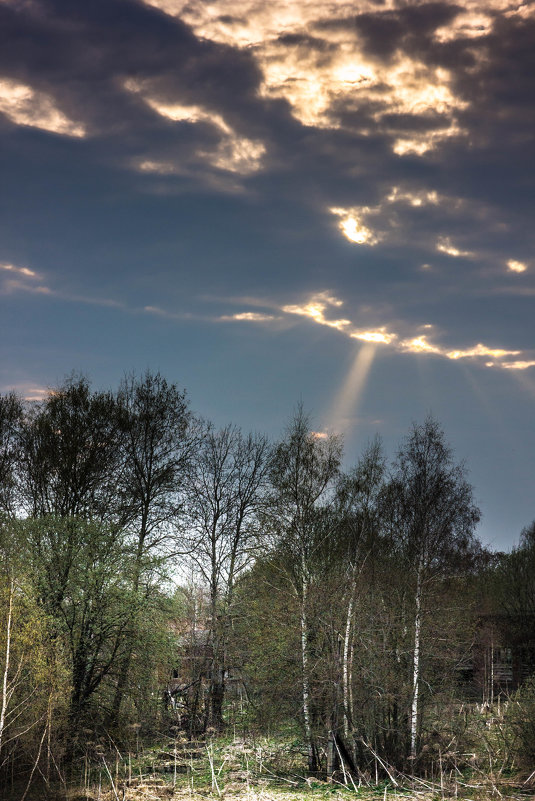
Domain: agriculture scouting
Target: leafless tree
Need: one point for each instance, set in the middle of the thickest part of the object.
(225, 490)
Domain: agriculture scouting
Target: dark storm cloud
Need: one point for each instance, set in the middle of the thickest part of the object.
(82, 54)
(408, 28)
(85, 54)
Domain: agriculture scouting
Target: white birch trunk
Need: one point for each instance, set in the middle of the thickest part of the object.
(416, 661)
(305, 668)
(346, 666)
(3, 706)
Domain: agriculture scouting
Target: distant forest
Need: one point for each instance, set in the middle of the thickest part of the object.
(157, 572)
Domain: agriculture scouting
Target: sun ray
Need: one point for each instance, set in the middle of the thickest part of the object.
(524, 380)
(346, 401)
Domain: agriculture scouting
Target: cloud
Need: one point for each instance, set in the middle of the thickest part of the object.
(445, 245)
(515, 266)
(249, 317)
(22, 271)
(317, 305)
(14, 278)
(321, 69)
(352, 226)
(28, 390)
(233, 153)
(24, 280)
(404, 216)
(517, 365)
(26, 106)
(381, 336)
(315, 309)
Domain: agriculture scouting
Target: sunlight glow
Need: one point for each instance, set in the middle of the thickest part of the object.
(420, 345)
(315, 309)
(353, 228)
(325, 73)
(374, 336)
(418, 144)
(346, 402)
(481, 350)
(252, 317)
(518, 365)
(26, 106)
(234, 153)
(445, 245)
(516, 266)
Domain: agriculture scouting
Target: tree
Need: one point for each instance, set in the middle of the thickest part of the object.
(79, 569)
(225, 489)
(33, 676)
(432, 518)
(11, 413)
(70, 453)
(304, 468)
(511, 592)
(158, 438)
(359, 512)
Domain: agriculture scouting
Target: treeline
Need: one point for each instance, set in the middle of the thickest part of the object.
(351, 601)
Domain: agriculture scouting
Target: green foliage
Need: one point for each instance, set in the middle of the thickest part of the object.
(79, 569)
(34, 677)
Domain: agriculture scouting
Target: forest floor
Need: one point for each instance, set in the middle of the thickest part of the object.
(236, 770)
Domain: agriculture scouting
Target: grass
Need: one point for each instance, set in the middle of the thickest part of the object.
(256, 769)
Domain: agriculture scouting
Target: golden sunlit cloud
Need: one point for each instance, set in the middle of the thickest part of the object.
(26, 106)
(251, 317)
(357, 222)
(418, 144)
(319, 82)
(515, 266)
(234, 153)
(379, 337)
(445, 245)
(315, 310)
(420, 345)
(352, 226)
(481, 350)
(518, 365)
(316, 306)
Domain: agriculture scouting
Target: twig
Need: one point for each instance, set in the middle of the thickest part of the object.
(38, 757)
(111, 779)
(378, 758)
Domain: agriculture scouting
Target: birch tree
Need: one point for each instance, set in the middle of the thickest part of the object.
(433, 517)
(358, 501)
(304, 468)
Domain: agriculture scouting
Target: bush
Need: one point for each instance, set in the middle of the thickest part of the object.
(520, 718)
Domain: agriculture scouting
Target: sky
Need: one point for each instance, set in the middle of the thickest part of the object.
(311, 201)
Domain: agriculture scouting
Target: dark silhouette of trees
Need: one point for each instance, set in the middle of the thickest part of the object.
(225, 489)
